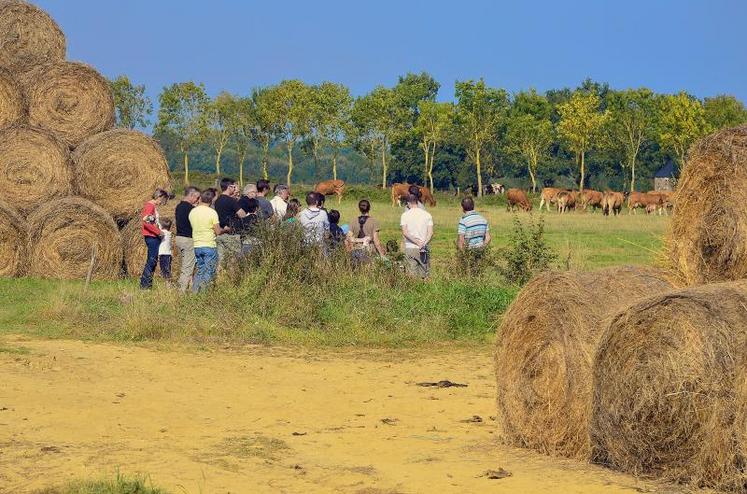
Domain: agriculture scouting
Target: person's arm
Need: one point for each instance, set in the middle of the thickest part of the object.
(487, 238)
(241, 213)
(460, 241)
(377, 244)
(150, 210)
(406, 234)
(428, 236)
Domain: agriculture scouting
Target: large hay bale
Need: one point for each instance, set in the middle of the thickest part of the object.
(133, 245)
(12, 108)
(66, 233)
(119, 170)
(707, 241)
(13, 242)
(71, 99)
(544, 351)
(35, 167)
(28, 36)
(669, 388)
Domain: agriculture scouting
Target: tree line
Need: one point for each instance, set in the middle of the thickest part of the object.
(402, 133)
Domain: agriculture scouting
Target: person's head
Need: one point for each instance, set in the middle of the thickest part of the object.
(165, 223)
(364, 206)
(228, 186)
(312, 199)
(294, 206)
(263, 187)
(334, 217)
(207, 196)
(282, 191)
(320, 198)
(468, 204)
(252, 205)
(192, 195)
(412, 200)
(250, 191)
(161, 197)
(414, 190)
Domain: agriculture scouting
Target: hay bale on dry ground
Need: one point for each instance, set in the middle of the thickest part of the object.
(71, 99)
(544, 351)
(64, 236)
(670, 388)
(133, 245)
(13, 242)
(707, 241)
(119, 170)
(12, 107)
(35, 167)
(28, 36)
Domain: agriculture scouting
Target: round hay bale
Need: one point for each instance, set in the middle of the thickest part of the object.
(12, 108)
(119, 170)
(133, 245)
(70, 99)
(35, 167)
(707, 241)
(13, 242)
(544, 351)
(28, 36)
(66, 233)
(669, 388)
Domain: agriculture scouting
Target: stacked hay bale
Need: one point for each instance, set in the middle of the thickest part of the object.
(56, 142)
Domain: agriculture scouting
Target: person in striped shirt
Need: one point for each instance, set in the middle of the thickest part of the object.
(473, 229)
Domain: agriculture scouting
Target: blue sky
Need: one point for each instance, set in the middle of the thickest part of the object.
(235, 45)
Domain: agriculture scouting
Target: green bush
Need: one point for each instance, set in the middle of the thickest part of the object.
(527, 252)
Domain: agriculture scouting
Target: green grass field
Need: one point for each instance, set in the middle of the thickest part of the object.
(337, 309)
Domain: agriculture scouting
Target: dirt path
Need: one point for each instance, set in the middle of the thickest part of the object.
(264, 420)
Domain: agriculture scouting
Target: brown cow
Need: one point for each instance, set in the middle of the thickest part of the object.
(665, 200)
(566, 200)
(400, 191)
(331, 188)
(612, 201)
(517, 197)
(642, 200)
(549, 196)
(591, 198)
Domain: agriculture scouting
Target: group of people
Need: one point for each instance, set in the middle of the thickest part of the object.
(216, 225)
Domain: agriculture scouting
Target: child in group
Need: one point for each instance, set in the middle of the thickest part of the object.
(336, 235)
(165, 249)
(294, 207)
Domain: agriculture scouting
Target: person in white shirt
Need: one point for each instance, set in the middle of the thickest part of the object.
(165, 249)
(417, 232)
(280, 201)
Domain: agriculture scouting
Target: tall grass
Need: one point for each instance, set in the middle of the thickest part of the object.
(119, 485)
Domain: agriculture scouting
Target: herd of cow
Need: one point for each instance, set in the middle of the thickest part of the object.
(563, 200)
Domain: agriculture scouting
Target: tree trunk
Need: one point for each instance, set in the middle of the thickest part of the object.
(430, 168)
(583, 172)
(186, 168)
(218, 154)
(290, 163)
(265, 159)
(426, 146)
(532, 177)
(334, 166)
(479, 172)
(242, 158)
(632, 175)
(383, 165)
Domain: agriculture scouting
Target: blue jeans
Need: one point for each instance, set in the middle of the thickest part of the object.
(146, 280)
(206, 262)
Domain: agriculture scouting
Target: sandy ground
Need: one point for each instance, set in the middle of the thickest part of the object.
(265, 420)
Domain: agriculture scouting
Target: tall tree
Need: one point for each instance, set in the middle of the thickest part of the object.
(182, 114)
(630, 124)
(264, 123)
(681, 122)
(336, 104)
(724, 111)
(580, 124)
(529, 137)
(243, 131)
(290, 104)
(432, 128)
(222, 120)
(132, 106)
(479, 113)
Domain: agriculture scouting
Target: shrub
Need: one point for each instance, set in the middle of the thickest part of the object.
(527, 252)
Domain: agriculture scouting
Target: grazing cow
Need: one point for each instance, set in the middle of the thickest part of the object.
(566, 199)
(517, 198)
(612, 201)
(591, 198)
(549, 196)
(642, 200)
(497, 188)
(331, 188)
(399, 192)
(665, 201)
(426, 197)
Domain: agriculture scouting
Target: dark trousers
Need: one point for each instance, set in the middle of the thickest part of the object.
(164, 262)
(146, 280)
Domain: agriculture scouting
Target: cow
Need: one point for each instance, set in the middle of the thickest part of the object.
(497, 188)
(591, 198)
(665, 201)
(517, 198)
(566, 199)
(426, 197)
(612, 202)
(642, 200)
(400, 191)
(331, 188)
(549, 196)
